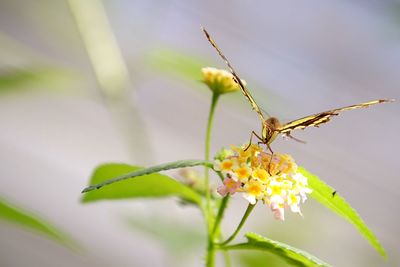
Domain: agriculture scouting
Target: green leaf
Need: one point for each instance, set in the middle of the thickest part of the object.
(146, 183)
(323, 194)
(180, 238)
(13, 80)
(29, 221)
(177, 63)
(251, 258)
(290, 254)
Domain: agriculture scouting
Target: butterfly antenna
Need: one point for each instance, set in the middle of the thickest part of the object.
(235, 76)
(212, 42)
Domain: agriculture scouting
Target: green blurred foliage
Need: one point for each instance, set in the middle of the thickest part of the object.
(177, 237)
(29, 221)
(13, 80)
(178, 64)
(187, 67)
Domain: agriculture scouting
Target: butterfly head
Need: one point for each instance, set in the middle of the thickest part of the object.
(273, 123)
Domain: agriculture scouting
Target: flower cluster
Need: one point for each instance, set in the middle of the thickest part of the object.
(220, 81)
(273, 179)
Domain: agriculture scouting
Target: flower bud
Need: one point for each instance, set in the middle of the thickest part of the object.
(220, 81)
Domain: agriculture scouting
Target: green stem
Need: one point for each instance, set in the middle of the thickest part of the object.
(208, 141)
(220, 214)
(249, 209)
(158, 168)
(211, 252)
(113, 75)
(215, 233)
(227, 258)
(220, 176)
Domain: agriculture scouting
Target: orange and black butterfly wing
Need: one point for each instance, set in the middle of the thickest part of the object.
(323, 117)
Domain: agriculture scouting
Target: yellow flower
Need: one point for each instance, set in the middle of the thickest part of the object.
(220, 81)
(242, 173)
(253, 190)
(261, 176)
(287, 164)
(293, 202)
(275, 188)
(251, 151)
(226, 166)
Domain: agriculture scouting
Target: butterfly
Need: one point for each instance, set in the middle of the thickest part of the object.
(272, 127)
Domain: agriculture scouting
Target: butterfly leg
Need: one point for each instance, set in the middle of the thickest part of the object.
(251, 138)
(270, 149)
(270, 160)
(262, 141)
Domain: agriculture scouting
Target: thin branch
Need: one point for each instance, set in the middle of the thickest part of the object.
(158, 168)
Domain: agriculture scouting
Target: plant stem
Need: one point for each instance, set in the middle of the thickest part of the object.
(220, 214)
(112, 74)
(220, 176)
(211, 252)
(249, 209)
(216, 232)
(208, 141)
(157, 168)
(227, 258)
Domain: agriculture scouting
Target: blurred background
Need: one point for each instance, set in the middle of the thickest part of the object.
(88, 82)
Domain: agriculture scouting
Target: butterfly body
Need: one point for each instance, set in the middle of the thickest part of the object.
(269, 130)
